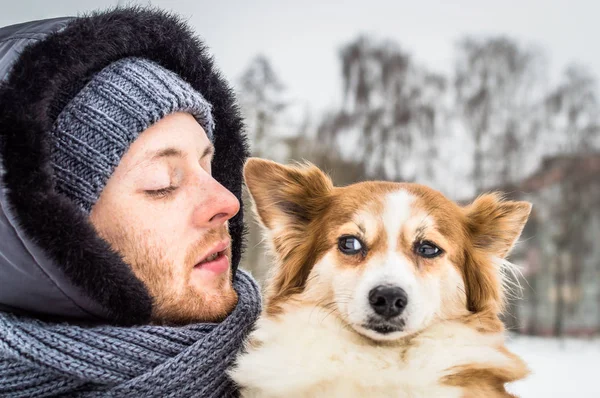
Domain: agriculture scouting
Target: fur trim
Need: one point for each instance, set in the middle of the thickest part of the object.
(43, 80)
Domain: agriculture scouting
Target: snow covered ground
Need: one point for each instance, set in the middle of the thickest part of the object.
(560, 368)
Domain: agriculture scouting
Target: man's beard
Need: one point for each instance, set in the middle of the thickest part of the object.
(175, 300)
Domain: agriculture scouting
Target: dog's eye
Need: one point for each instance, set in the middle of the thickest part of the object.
(350, 245)
(427, 249)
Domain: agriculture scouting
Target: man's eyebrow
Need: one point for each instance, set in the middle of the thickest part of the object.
(178, 153)
(167, 153)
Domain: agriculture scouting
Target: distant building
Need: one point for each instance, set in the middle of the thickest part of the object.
(560, 249)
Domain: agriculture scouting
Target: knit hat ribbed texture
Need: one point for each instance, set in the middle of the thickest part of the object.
(96, 128)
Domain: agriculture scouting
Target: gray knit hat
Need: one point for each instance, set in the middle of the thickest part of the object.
(96, 128)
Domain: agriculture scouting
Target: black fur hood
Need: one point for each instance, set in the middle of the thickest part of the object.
(52, 262)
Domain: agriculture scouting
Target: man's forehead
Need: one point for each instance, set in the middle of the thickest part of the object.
(179, 152)
(157, 155)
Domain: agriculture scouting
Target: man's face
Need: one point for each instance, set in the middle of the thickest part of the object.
(167, 216)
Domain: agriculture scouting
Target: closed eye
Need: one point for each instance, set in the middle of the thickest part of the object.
(209, 152)
(161, 193)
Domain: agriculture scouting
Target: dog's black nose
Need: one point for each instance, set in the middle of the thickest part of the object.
(388, 301)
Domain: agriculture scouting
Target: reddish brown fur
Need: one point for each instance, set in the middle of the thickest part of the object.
(482, 383)
(489, 381)
(296, 197)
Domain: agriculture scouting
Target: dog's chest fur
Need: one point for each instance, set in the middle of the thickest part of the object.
(308, 352)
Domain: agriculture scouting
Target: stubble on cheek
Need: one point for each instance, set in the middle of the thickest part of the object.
(175, 300)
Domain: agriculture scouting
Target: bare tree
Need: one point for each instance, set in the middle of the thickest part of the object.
(262, 98)
(497, 83)
(573, 121)
(391, 111)
(572, 111)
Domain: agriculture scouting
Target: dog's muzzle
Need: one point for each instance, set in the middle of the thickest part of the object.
(387, 302)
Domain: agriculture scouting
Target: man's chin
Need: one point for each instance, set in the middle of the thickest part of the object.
(218, 306)
(209, 304)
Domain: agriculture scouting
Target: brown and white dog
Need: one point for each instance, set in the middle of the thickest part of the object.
(380, 290)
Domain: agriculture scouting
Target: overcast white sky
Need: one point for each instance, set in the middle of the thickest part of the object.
(301, 38)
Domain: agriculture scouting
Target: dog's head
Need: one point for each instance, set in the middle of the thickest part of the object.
(388, 258)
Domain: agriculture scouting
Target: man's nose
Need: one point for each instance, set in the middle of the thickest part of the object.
(217, 205)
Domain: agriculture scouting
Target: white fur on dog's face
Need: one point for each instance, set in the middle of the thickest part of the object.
(434, 287)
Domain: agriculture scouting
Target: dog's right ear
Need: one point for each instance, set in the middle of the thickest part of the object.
(285, 196)
(287, 199)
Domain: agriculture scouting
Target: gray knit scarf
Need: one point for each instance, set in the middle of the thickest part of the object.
(39, 359)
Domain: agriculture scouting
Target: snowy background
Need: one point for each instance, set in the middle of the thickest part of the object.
(560, 367)
(466, 96)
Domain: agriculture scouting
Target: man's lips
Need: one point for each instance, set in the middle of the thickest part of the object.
(216, 259)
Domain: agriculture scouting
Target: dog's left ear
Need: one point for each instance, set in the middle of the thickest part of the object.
(287, 199)
(495, 225)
